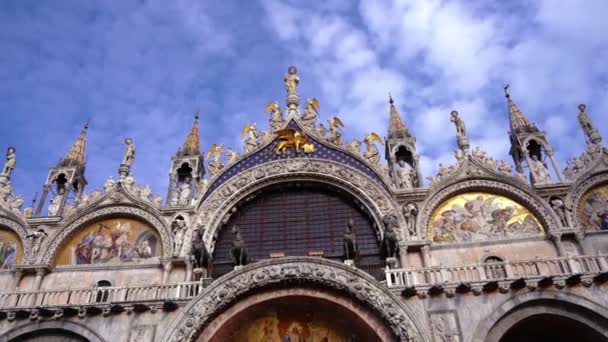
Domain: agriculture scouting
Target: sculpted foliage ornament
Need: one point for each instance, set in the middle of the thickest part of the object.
(326, 274)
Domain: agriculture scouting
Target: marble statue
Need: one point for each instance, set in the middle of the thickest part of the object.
(55, 204)
(185, 193)
(404, 175)
(178, 227)
(559, 207)
(11, 161)
(351, 249)
(109, 184)
(145, 193)
(239, 249)
(505, 168)
(291, 81)
(372, 155)
(252, 141)
(276, 120)
(36, 240)
(215, 164)
(321, 130)
(410, 212)
(129, 156)
(157, 200)
(461, 131)
(231, 155)
(591, 132)
(309, 117)
(6, 189)
(15, 203)
(174, 198)
(354, 146)
(540, 171)
(335, 134)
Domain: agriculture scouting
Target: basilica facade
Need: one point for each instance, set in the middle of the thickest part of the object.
(304, 236)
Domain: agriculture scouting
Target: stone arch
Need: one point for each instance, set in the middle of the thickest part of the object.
(560, 303)
(18, 228)
(68, 326)
(577, 191)
(361, 288)
(54, 243)
(522, 195)
(217, 206)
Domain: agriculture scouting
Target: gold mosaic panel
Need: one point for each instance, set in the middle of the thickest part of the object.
(11, 249)
(478, 216)
(593, 209)
(115, 240)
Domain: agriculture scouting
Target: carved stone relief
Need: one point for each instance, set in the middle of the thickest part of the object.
(324, 273)
(445, 326)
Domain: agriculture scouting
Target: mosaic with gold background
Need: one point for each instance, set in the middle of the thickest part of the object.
(593, 209)
(116, 240)
(11, 249)
(477, 216)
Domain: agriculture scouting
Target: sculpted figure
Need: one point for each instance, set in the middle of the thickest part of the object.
(558, 205)
(372, 155)
(309, 117)
(199, 250)
(239, 249)
(540, 171)
(252, 142)
(276, 120)
(145, 194)
(231, 156)
(591, 132)
(5, 189)
(404, 175)
(505, 168)
(36, 240)
(11, 161)
(185, 193)
(129, 156)
(390, 240)
(291, 81)
(321, 130)
(157, 200)
(335, 134)
(354, 146)
(178, 226)
(410, 212)
(55, 203)
(174, 199)
(215, 164)
(351, 249)
(109, 184)
(461, 131)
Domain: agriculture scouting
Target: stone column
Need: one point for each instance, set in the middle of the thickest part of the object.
(403, 256)
(188, 276)
(418, 171)
(426, 255)
(45, 192)
(167, 267)
(17, 276)
(557, 241)
(40, 273)
(555, 167)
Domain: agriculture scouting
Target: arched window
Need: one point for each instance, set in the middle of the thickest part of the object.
(102, 295)
(495, 268)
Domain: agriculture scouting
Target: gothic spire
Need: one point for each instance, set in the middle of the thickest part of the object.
(76, 154)
(396, 128)
(518, 120)
(192, 145)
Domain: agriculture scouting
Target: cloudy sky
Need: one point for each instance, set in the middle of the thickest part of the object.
(143, 68)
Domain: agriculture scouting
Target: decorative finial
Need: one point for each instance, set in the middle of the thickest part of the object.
(86, 124)
(506, 88)
(582, 107)
(196, 116)
(390, 99)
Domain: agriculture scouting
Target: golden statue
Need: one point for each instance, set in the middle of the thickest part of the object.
(291, 138)
(215, 165)
(276, 120)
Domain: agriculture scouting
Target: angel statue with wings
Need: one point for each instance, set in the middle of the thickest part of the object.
(309, 117)
(289, 137)
(335, 134)
(215, 164)
(276, 120)
(372, 155)
(251, 143)
(231, 156)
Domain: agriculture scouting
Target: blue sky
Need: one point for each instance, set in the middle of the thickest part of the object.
(143, 68)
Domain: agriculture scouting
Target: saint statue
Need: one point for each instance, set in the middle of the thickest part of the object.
(461, 131)
(351, 249)
(185, 193)
(129, 156)
(291, 81)
(239, 249)
(36, 241)
(558, 205)
(231, 155)
(591, 132)
(309, 117)
(11, 161)
(410, 212)
(54, 205)
(178, 226)
(252, 141)
(404, 175)
(372, 155)
(276, 120)
(540, 171)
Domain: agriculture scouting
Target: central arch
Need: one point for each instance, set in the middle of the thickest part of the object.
(349, 291)
(299, 219)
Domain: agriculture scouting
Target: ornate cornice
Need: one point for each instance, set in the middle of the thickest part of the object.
(324, 273)
(526, 196)
(217, 205)
(52, 244)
